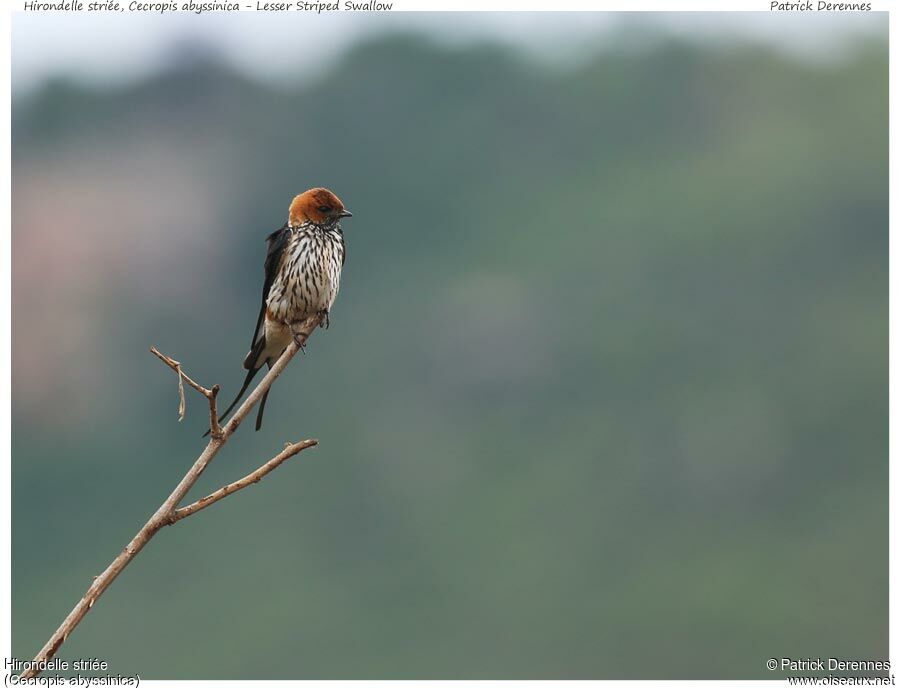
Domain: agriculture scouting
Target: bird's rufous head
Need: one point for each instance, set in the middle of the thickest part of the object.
(318, 205)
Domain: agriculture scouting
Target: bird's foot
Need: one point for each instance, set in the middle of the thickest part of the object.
(300, 340)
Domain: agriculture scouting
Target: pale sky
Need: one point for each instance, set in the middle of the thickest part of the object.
(294, 46)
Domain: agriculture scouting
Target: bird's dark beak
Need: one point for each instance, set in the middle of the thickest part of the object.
(345, 214)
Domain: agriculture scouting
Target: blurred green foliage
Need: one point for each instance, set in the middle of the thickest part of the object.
(604, 394)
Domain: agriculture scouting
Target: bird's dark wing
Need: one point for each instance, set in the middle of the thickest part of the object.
(277, 242)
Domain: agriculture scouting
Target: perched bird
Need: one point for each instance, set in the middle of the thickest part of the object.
(302, 276)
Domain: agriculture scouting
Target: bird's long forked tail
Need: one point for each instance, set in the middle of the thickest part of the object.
(253, 365)
(262, 406)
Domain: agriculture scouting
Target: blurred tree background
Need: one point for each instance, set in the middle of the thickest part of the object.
(604, 394)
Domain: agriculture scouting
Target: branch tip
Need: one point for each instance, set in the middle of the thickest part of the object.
(289, 451)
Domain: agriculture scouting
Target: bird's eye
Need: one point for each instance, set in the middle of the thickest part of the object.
(324, 209)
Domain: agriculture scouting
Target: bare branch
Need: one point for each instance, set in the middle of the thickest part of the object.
(166, 513)
(290, 450)
(210, 394)
(175, 365)
(214, 428)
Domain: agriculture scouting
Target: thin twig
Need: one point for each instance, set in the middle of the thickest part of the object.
(175, 365)
(210, 394)
(165, 514)
(214, 429)
(290, 451)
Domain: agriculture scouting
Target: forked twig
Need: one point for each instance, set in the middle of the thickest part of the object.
(215, 430)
